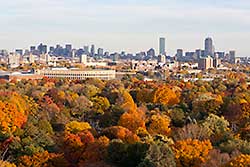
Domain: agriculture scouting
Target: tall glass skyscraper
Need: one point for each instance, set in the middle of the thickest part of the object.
(162, 46)
(209, 47)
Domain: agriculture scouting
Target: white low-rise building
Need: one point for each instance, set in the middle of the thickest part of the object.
(78, 74)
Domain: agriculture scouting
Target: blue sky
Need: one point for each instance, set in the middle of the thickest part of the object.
(130, 25)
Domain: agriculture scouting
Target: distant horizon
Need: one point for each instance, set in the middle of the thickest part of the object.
(119, 51)
(130, 26)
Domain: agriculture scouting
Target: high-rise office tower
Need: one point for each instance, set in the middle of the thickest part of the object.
(92, 50)
(42, 48)
(198, 53)
(162, 46)
(232, 56)
(68, 47)
(209, 48)
(100, 52)
(86, 49)
(179, 53)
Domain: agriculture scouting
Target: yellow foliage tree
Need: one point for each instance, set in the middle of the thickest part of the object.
(127, 102)
(242, 160)
(191, 153)
(159, 125)
(75, 127)
(6, 164)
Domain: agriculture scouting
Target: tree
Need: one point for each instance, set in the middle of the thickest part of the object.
(123, 154)
(159, 154)
(217, 128)
(145, 95)
(207, 103)
(119, 132)
(126, 101)
(216, 159)
(242, 160)
(177, 117)
(166, 96)
(74, 145)
(6, 164)
(95, 152)
(10, 118)
(43, 159)
(159, 124)
(133, 120)
(76, 127)
(190, 152)
(100, 104)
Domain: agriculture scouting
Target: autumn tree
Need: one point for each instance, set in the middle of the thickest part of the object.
(159, 124)
(43, 159)
(242, 160)
(95, 152)
(159, 154)
(119, 132)
(190, 152)
(100, 104)
(123, 154)
(166, 96)
(133, 120)
(6, 164)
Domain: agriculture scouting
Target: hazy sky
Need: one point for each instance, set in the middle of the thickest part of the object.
(130, 25)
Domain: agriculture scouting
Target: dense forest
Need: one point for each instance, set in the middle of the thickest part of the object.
(125, 123)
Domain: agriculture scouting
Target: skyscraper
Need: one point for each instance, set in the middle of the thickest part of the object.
(92, 50)
(42, 48)
(100, 52)
(86, 49)
(232, 56)
(162, 46)
(68, 47)
(209, 48)
(179, 53)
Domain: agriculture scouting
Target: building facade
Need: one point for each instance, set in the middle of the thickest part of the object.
(162, 46)
(78, 74)
(205, 63)
(209, 47)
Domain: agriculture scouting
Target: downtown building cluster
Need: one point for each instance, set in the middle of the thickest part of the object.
(105, 65)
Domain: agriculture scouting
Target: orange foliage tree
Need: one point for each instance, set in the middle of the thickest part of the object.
(13, 112)
(133, 120)
(95, 152)
(166, 96)
(44, 159)
(190, 152)
(76, 139)
(119, 132)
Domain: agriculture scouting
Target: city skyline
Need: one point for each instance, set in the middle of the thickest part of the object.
(132, 26)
